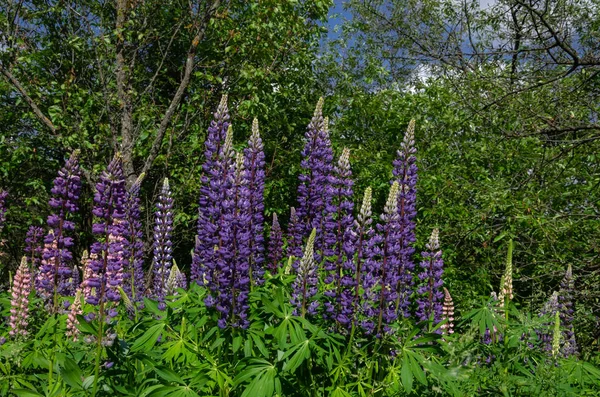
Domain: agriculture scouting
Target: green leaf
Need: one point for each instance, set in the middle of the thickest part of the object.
(71, 374)
(148, 339)
(406, 375)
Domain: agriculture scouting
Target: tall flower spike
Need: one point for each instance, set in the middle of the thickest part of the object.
(387, 266)
(506, 285)
(275, 245)
(176, 280)
(72, 322)
(565, 305)
(363, 281)
(314, 194)
(3, 195)
(212, 191)
(107, 252)
(163, 247)
(19, 304)
(431, 295)
(556, 335)
(405, 173)
(294, 236)
(448, 314)
(254, 159)
(341, 271)
(33, 246)
(133, 272)
(57, 269)
(305, 284)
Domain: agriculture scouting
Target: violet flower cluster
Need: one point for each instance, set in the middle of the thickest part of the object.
(314, 193)
(275, 245)
(384, 264)
(33, 246)
(3, 208)
(340, 271)
(565, 304)
(19, 303)
(56, 274)
(405, 173)
(107, 252)
(430, 306)
(254, 163)
(235, 251)
(213, 190)
(133, 272)
(305, 285)
(163, 247)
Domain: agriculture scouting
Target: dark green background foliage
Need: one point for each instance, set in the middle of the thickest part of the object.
(507, 117)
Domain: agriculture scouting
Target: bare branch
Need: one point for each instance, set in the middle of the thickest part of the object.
(189, 67)
(40, 115)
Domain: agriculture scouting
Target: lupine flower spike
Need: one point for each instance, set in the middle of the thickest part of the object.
(72, 322)
(405, 173)
(133, 273)
(341, 270)
(362, 234)
(448, 314)
(565, 304)
(19, 304)
(275, 245)
(56, 272)
(506, 283)
(163, 257)
(305, 284)
(386, 268)
(556, 335)
(431, 295)
(107, 252)
(314, 194)
(3, 208)
(254, 164)
(212, 192)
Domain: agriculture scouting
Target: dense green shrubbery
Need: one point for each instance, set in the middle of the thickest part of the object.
(182, 352)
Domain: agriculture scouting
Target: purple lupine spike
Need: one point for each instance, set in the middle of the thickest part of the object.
(362, 235)
(314, 194)
(133, 272)
(430, 306)
(340, 271)
(275, 245)
(3, 208)
(33, 250)
(57, 271)
(235, 252)
(212, 191)
(306, 283)
(384, 269)
(107, 259)
(405, 173)
(565, 306)
(255, 182)
(294, 234)
(163, 247)
(550, 308)
(448, 314)
(19, 303)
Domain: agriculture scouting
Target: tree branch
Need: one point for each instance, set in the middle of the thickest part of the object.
(40, 115)
(189, 67)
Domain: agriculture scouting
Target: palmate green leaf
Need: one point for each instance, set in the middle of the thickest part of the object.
(168, 375)
(298, 353)
(174, 391)
(263, 375)
(147, 341)
(339, 392)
